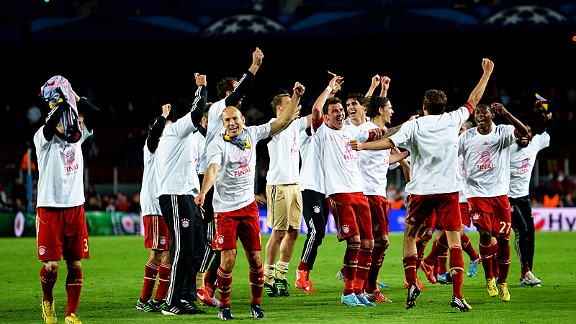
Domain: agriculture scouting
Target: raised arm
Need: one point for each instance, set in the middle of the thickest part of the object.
(321, 100)
(373, 85)
(476, 94)
(200, 99)
(385, 82)
(521, 130)
(257, 57)
(549, 126)
(157, 128)
(89, 110)
(287, 116)
(246, 80)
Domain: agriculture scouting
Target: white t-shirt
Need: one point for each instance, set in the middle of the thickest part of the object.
(373, 166)
(487, 160)
(348, 121)
(462, 177)
(198, 149)
(148, 201)
(339, 160)
(234, 187)
(283, 149)
(214, 128)
(522, 162)
(176, 165)
(433, 144)
(61, 170)
(311, 173)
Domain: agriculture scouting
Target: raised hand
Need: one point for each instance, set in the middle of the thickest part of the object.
(257, 57)
(487, 65)
(299, 89)
(499, 108)
(200, 79)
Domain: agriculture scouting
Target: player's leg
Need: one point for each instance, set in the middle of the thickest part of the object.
(315, 212)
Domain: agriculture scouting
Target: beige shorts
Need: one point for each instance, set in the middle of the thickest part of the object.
(284, 206)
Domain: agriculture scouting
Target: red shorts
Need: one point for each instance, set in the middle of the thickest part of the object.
(156, 234)
(492, 213)
(243, 223)
(445, 205)
(61, 232)
(379, 208)
(465, 214)
(352, 215)
(426, 230)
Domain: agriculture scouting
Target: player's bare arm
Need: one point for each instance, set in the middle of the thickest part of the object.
(375, 82)
(381, 144)
(257, 57)
(287, 116)
(209, 179)
(521, 129)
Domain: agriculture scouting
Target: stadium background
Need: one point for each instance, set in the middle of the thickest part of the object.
(129, 57)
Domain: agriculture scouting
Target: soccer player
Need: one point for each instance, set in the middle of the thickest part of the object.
(209, 260)
(230, 91)
(522, 158)
(314, 205)
(486, 153)
(434, 184)
(314, 208)
(60, 219)
(232, 162)
(177, 185)
(439, 252)
(356, 108)
(344, 193)
(156, 235)
(373, 167)
(284, 199)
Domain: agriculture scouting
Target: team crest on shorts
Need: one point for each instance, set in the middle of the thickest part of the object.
(185, 222)
(220, 239)
(162, 240)
(429, 231)
(42, 250)
(345, 228)
(316, 209)
(475, 216)
(376, 227)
